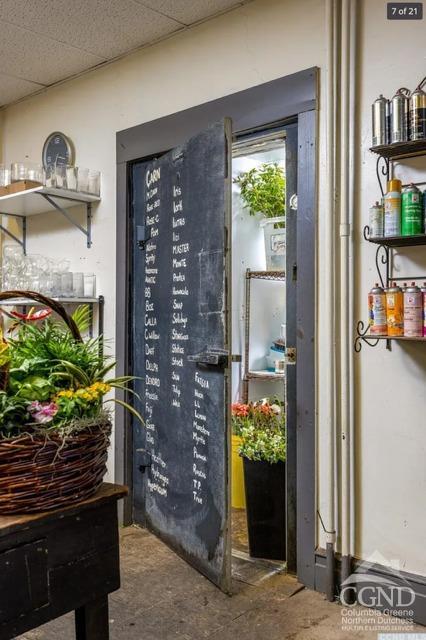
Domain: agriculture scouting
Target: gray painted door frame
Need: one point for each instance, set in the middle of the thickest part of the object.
(289, 99)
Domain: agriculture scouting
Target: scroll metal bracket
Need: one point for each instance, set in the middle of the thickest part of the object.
(363, 336)
(382, 170)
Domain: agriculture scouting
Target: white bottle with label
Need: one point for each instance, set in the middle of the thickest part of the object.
(392, 202)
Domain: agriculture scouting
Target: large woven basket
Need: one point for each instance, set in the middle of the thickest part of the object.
(38, 473)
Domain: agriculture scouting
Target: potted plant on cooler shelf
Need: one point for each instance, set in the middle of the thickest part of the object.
(263, 448)
(263, 192)
(54, 424)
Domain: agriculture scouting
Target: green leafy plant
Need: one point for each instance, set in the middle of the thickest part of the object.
(52, 380)
(263, 190)
(261, 427)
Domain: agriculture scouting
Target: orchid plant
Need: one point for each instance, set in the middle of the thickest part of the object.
(52, 382)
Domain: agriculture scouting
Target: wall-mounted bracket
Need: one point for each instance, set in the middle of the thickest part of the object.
(86, 231)
(23, 224)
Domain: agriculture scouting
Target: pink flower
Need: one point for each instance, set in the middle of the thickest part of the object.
(43, 412)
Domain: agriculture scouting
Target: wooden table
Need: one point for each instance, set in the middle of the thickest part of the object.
(60, 561)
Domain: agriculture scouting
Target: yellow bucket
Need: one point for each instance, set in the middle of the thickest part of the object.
(238, 493)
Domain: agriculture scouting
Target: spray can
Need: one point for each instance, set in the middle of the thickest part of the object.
(392, 201)
(399, 116)
(417, 113)
(380, 113)
(412, 214)
(413, 312)
(376, 221)
(395, 310)
(423, 290)
(377, 311)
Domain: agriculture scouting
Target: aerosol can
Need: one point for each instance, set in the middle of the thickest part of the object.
(395, 310)
(413, 312)
(377, 311)
(417, 113)
(380, 113)
(392, 202)
(423, 290)
(399, 116)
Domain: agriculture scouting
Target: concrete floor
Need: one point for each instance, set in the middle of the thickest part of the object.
(162, 598)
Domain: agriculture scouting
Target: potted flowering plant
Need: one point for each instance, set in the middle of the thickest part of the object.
(54, 424)
(263, 192)
(261, 426)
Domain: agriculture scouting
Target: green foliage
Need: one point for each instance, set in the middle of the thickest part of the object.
(54, 380)
(263, 190)
(261, 427)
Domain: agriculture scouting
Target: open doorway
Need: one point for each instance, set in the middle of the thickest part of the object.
(259, 317)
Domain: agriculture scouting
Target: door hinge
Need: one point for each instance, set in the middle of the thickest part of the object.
(143, 235)
(294, 272)
(291, 355)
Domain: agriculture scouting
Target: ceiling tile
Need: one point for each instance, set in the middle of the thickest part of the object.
(36, 58)
(12, 89)
(106, 28)
(190, 11)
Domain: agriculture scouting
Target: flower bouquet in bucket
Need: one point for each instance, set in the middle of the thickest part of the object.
(54, 423)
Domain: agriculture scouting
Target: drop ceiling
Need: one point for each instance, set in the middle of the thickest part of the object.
(43, 42)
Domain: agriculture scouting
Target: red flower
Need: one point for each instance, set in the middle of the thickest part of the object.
(240, 410)
(32, 316)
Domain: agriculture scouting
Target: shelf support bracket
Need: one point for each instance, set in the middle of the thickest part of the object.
(88, 231)
(23, 224)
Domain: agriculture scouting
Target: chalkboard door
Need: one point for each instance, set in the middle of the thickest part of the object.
(181, 338)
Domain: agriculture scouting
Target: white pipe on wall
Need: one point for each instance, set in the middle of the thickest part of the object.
(328, 517)
(346, 277)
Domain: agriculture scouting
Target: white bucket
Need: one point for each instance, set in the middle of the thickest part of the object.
(275, 239)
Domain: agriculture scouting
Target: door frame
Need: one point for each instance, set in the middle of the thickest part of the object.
(290, 98)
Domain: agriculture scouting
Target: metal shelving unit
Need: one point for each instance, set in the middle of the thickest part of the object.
(264, 375)
(40, 199)
(387, 154)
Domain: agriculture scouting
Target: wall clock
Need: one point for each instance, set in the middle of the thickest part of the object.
(58, 150)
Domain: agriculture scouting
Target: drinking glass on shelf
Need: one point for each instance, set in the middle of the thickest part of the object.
(94, 182)
(82, 179)
(72, 176)
(18, 171)
(61, 176)
(67, 284)
(26, 171)
(78, 285)
(4, 175)
(89, 285)
(50, 176)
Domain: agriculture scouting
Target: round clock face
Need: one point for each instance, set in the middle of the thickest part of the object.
(58, 150)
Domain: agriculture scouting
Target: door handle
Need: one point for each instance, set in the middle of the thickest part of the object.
(212, 357)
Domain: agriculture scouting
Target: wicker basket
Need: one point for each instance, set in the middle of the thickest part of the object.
(38, 473)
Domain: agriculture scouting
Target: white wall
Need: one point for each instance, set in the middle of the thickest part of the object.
(261, 41)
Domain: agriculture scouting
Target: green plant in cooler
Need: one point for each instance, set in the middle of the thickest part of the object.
(263, 190)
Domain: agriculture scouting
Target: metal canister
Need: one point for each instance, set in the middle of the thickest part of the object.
(399, 116)
(412, 223)
(417, 113)
(376, 220)
(380, 113)
(423, 290)
(413, 312)
(392, 206)
(395, 310)
(377, 311)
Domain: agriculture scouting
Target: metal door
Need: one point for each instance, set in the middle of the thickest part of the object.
(180, 348)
